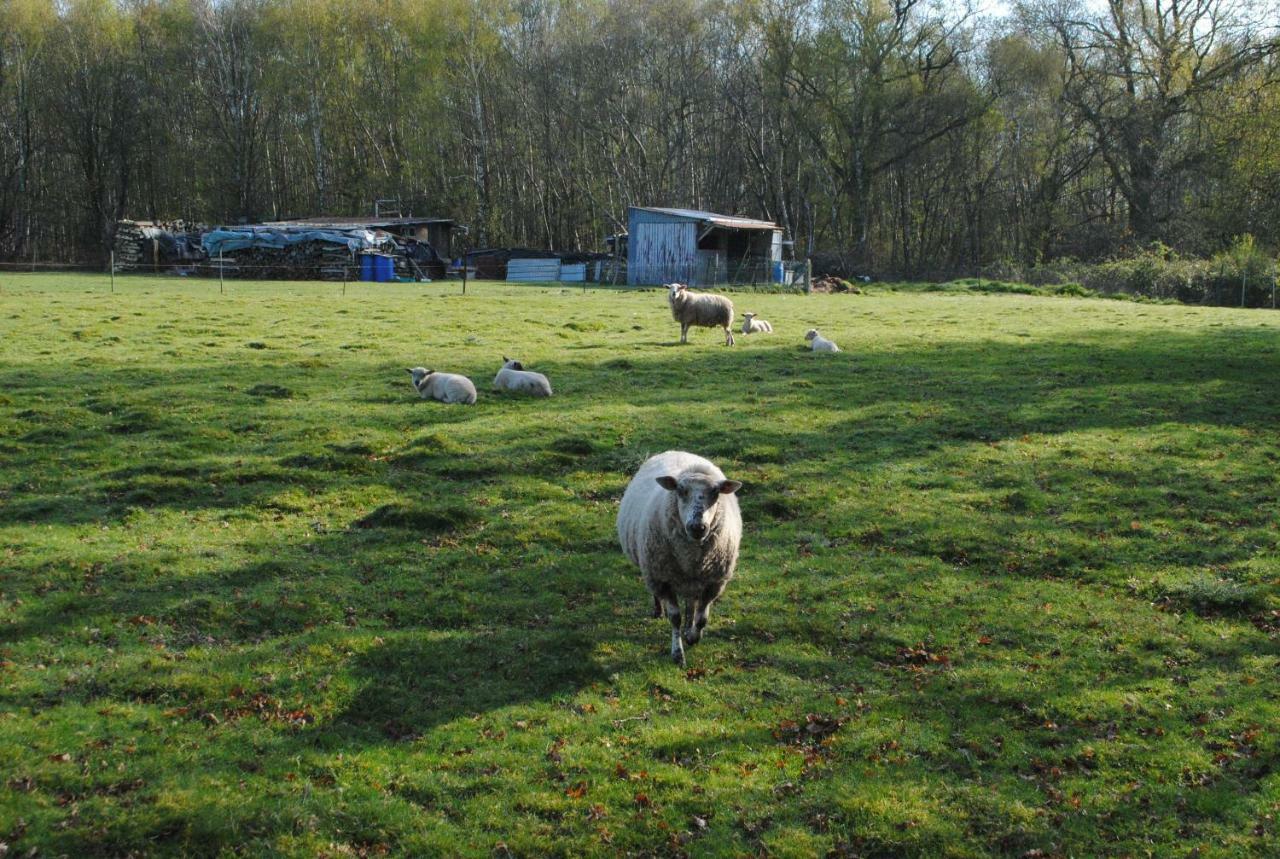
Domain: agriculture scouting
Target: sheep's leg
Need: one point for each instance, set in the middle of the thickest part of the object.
(728, 336)
(677, 646)
(657, 606)
(684, 332)
(671, 606)
(693, 609)
(698, 622)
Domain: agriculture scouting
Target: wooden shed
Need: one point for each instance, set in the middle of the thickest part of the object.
(700, 248)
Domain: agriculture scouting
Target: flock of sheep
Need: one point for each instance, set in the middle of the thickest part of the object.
(679, 520)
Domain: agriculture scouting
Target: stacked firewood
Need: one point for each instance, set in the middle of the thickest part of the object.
(303, 261)
(143, 244)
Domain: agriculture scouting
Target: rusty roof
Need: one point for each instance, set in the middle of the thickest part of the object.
(730, 221)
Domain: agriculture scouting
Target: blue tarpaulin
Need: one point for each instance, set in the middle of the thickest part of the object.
(225, 239)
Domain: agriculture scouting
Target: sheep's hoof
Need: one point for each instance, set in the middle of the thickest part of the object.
(677, 656)
(692, 636)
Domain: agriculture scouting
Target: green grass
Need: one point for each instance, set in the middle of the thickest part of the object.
(1008, 583)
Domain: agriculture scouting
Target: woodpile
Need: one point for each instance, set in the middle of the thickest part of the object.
(144, 244)
(303, 261)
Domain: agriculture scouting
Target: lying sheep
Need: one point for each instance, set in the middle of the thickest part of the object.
(751, 325)
(819, 343)
(445, 387)
(679, 523)
(704, 309)
(514, 377)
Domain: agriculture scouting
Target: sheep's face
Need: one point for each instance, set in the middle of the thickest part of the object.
(748, 316)
(674, 290)
(811, 333)
(696, 497)
(418, 374)
(508, 364)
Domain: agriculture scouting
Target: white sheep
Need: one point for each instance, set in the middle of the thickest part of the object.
(704, 309)
(445, 387)
(514, 377)
(819, 343)
(751, 325)
(679, 523)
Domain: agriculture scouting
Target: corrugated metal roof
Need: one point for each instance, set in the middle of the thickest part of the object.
(730, 221)
(345, 222)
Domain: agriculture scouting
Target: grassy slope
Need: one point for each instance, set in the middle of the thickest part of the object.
(1016, 556)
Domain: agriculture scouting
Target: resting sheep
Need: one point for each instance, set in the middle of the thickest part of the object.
(819, 343)
(751, 325)
(514, 377)
(679, 523)
(445, 387)
(704, 309)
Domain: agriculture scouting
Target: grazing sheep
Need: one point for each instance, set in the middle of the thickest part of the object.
(751, 325)
(704, 309)
(445, 387)
(514, 377)
(679, 523)
(819, 343)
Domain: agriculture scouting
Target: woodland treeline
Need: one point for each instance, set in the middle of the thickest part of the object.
(899, 136)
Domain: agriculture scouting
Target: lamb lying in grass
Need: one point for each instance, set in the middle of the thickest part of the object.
(819, 343)
(514, 377)
(751, 325)
(679, 523)
(704, 309)
(445, 387)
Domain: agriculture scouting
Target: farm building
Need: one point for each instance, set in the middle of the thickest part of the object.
(699, 248)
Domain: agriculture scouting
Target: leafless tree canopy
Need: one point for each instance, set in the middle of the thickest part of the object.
(899, 136)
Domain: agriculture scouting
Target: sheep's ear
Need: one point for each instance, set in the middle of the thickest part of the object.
(667, 482)
(505, 359)
(728, 487)
(409, 370)
(516, 365)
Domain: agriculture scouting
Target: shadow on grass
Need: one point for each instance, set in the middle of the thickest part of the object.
(906, 402)
(526, 622)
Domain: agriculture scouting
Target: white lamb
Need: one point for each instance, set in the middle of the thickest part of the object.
(514, 377)
(819, 343)
(445, 387)
(751, 325)
(679, 523)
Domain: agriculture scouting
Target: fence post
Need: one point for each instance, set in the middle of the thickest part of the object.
(113, 272)
(221, 288)
(1244, 280)
(808, 275)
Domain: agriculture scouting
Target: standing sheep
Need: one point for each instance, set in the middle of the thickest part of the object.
(514, 377)
(751, 325)
(819, 343)
(692, 308)
(445, 387)
(679, 523)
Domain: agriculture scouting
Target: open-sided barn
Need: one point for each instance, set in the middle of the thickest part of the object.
(699, 248)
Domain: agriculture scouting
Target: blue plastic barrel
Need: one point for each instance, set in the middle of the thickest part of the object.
(366, 266)
(384, 269)
(777, 271)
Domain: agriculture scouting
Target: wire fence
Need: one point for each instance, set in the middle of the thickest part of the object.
(761, 275)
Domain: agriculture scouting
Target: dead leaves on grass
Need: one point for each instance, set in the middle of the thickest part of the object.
(814, 730)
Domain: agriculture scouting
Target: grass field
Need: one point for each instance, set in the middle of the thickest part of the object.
(1008, 584)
